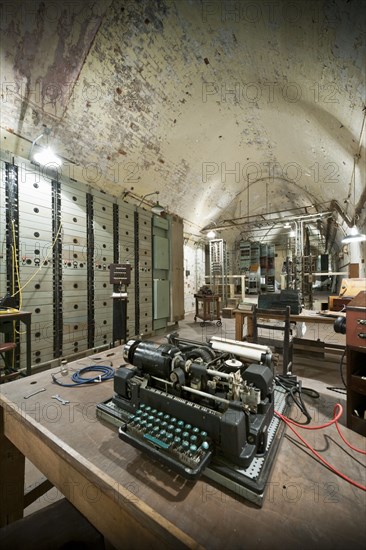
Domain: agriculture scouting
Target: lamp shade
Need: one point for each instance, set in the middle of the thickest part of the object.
(157, 209)
(353, 236)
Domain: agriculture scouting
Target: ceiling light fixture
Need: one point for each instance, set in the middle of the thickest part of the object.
(353, 236)
(211, 234)
(156, 208)
(47, 156)
(43, 155)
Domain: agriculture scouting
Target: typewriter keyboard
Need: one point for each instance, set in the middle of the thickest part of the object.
(185, 448)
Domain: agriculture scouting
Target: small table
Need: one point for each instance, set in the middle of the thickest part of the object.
(26, 318)
(208, 308)
(304, 317)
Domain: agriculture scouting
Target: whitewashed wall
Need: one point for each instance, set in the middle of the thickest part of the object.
(194, 272)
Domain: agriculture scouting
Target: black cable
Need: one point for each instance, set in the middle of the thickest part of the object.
(78, 380)
(340, 390)
(341, 367)
(295, 391)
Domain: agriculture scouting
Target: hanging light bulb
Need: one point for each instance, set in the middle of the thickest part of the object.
(211, 234)
(47, 156)
(353, 236)
(44, 155)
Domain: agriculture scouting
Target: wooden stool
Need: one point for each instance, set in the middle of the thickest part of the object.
(5, 347)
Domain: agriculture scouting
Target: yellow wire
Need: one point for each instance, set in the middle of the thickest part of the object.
(15, 263)
(42, 264)
(21, 288)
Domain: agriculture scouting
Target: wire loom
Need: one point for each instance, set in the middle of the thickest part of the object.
(79, 380)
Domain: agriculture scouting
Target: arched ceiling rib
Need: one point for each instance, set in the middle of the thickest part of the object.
(194, 98)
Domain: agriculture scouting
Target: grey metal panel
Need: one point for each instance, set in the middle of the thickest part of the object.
(161, 298)
(78, 280)
(74, 267)
(161, 252)
(35, 297)
(160, 222)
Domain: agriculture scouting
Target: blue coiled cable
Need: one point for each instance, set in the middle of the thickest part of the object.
(78, 380)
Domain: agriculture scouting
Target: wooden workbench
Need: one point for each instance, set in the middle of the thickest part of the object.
(136, 503)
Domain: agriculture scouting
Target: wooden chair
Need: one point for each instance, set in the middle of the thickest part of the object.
(286, 343)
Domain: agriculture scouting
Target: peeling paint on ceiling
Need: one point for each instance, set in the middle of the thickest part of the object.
(194, 99)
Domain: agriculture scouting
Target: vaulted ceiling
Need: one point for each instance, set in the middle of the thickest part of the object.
(229, 109)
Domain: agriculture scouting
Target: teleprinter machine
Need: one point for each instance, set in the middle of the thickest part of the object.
(189, 403)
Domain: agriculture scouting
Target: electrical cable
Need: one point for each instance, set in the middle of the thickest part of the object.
(41, 265)
(295, 390)
(79, 380)
(341, 368)
(334, 420)
(340, 390)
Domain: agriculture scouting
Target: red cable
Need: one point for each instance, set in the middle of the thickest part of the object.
(320, 426)
(288, 422)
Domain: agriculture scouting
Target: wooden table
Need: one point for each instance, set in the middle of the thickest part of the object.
(136, 503)
(304, 317)
(24, 317)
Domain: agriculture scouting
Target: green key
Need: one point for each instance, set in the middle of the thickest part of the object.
(193, 438)
(181, 423)
(193, 448)
(203, 434)
(185, 435)
(195, 430)
(185, 445)
(156, 441)
(188, 426)
(205, 446)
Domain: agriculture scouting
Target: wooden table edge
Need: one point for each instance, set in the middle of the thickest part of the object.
(139, 522)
